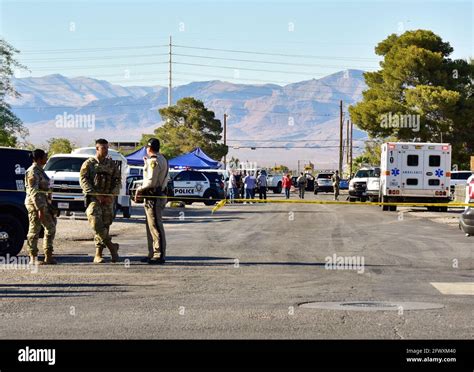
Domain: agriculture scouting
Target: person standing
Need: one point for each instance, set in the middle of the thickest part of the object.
(242, 184)
(155, 182)
(302, 182)
(286, 184)
(250, 183)
(100, 180)
(40, 210)
(232, 185)
(335, 184)
(262, 185)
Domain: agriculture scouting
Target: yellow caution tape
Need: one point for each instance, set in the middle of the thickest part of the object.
(223, 202)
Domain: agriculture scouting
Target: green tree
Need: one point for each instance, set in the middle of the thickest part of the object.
(59, 146)
(189, 124)
(11, 126)
(417, 77)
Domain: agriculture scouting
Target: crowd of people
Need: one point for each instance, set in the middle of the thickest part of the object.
(245, 184)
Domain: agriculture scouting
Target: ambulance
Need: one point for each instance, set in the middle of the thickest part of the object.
(415, 172)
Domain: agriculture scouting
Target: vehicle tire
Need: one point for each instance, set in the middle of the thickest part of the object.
(278, 189)
(392, 208)
(210, 197)
(126, 212)
(442, 209)
(384, 207)
(16, 235)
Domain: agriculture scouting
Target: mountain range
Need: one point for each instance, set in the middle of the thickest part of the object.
(265, 116)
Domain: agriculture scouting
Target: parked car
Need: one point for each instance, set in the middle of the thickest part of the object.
(343, 184)
(466, 221)
(13, 213)
(365, 184)
(458, 178)
(274, 183)
(193, 186)
(323, 183)
(63, 169)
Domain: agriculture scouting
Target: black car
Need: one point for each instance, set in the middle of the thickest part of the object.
(13, 213)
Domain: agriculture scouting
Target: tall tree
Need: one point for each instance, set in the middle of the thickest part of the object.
(418, 78)
(11, 126)
(59, 146)
(189, 124)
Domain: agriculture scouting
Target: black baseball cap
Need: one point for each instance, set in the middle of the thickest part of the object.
(154, 144)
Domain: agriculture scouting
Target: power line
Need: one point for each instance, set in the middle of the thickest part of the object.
(269, 62)
(91, 50)
(252, 69)
(92, 58)
(275, 54)
(102, 66)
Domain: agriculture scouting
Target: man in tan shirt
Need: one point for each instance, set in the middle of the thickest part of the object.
(153, 190)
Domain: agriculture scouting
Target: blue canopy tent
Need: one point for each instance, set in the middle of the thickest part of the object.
(196, 159)
(136, 158)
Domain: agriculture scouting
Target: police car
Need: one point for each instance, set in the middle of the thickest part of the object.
(190, 186)
(197, 186)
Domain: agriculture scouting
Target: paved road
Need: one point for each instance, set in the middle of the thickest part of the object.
(242, 272)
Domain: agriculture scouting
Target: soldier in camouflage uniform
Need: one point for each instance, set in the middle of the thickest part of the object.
(100, 181)
(40, 210)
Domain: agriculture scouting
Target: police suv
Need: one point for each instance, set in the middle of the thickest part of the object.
(197, 186)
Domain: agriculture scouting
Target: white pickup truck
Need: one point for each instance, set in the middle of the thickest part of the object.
(365, 184)
(63, 170)
(275, 182)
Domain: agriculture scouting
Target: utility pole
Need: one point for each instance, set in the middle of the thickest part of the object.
(347, 144)
(350, 152)
(169, 75)
(341, 124)
(225, 139)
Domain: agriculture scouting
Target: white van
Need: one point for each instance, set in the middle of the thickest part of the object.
(415, 172)
(63, 170)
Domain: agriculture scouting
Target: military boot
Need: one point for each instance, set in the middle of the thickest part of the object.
(113, 248)
(48, 259)
(98, 256)
(33, 259)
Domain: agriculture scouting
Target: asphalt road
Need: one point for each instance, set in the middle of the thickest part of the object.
(243, 272)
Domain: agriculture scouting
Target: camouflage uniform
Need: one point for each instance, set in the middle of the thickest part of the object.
(155, 180)
(100, 178)
(38, 197)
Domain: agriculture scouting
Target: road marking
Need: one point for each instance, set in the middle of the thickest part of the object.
(461, 289)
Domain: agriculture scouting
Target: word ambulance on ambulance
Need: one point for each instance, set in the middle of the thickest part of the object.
(415, 172)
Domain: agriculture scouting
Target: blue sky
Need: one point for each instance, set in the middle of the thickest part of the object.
(123, 41)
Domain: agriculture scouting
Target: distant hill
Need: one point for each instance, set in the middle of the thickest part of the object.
(284, 114)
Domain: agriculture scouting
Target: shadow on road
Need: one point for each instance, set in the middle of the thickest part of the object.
(45, 291)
